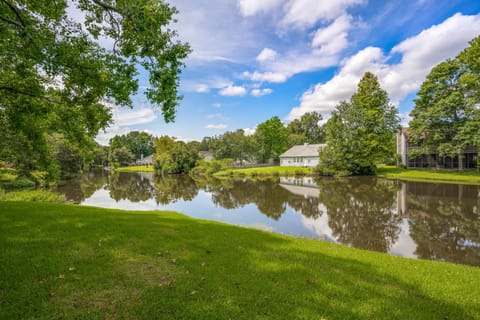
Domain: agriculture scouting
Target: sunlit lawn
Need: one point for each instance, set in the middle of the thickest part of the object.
(266, 171)
(62, 261)
(448, 176)
(136, 169)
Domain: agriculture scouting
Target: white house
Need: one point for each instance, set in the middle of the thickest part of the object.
(306, 155)
(146, 161)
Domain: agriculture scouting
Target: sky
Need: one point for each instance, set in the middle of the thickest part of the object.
(255, 59)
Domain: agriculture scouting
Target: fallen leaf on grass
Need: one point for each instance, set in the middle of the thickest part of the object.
(61, 276)
(72, 269)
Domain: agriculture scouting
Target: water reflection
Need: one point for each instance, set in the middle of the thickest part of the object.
(444, 221)
(362, 211)
(429, 221)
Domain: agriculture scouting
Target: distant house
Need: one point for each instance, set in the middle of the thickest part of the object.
(432, 160)
(206, 155)
(306, 155)
(145, 161)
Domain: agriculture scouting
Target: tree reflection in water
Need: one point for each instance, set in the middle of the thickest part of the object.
(367, 213)
(171, 188)
(361, 211)
(81, 188)
(135, 187)
(444, 221)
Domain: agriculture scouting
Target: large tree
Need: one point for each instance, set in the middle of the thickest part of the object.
(446, 117)
(272, 139)
(55, 76)
(307, 127)
(361, 132)
(138, 143)
(174, 156)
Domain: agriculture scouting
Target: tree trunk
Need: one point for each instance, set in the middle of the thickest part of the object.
(460, 162)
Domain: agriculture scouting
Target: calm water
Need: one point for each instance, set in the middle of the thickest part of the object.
(411, 219)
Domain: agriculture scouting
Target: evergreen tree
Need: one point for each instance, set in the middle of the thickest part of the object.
(361, 132)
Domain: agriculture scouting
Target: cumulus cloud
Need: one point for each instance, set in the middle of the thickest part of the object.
(250, 131)
(333, 38)
(216, 126)
(252, 7)
(122, 120)
(419, 54)
(261, 92)
(233, 91)
(266, 54)
(305, 13)
(281, 70)
(275, 77)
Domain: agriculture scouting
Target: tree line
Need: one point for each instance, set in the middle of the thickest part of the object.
(58, 83)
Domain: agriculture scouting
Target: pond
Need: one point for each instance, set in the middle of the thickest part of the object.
(411, 219)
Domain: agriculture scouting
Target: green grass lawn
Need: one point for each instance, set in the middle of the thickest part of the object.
(60, 261)
(447, 176)
(265, 171)
(135, 169)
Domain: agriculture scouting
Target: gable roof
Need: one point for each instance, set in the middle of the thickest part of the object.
(304, 150)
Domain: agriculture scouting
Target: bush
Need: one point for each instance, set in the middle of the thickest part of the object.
(32, 196)
(299, 172)
(23, 183)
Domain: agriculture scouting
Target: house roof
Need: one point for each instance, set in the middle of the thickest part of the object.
(304, 150)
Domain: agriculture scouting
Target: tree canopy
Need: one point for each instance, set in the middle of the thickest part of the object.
(174, 156)
(361, 132)
(56, 77)
(446, 116)
(307, 129)
(272, 138)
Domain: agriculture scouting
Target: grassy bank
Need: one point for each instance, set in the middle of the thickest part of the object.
(135, 169)
(66, 261)
(264, 172)
(429, 175)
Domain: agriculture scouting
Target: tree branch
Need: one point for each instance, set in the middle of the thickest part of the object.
(11, 22)
(17, 13)
(26, 93)
(106, 6)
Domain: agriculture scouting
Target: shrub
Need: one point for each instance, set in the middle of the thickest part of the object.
(299, 172)
(23, 183)
(32, 196)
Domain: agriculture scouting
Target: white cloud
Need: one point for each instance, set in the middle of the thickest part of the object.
(216, 126)
(216, 105)
(249, 131)
(214, 30)
(275, 77)
(305, 13)
(333, 39)
(123, 117)
(202, 88)
(419, 54)
(267, 54)
(281, 70)
(122, 120)
(261, 92)
(252, 7)
(233, 91)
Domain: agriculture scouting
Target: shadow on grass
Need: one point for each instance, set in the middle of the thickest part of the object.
(78, 262)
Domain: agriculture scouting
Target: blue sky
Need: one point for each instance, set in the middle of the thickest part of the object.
(255, 59)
